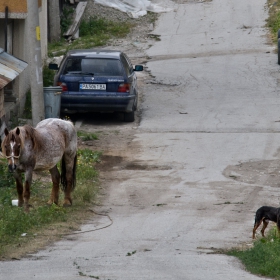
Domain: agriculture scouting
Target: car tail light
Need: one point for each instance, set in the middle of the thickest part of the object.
(63, 86)
(124, 88)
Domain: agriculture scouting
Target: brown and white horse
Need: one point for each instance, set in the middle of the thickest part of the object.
(41, 148)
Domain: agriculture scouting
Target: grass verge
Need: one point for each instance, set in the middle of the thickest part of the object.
(18, 229)
(94, 32)
(273, 21)
(263, 258)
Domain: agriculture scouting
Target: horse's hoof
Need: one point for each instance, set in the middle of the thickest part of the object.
(50, 203)
(67, 203)
(20, 203)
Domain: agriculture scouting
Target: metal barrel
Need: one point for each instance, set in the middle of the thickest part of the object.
(52, 100)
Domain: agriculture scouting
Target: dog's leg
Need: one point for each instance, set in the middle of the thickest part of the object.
(265, 223)
(257, 224)
(278, 222)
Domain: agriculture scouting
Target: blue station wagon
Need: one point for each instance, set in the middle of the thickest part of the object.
(97, 81)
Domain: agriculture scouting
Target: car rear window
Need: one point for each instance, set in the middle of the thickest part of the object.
(95, 66)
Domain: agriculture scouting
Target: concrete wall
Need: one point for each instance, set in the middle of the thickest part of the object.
(21, 50)
(21, 47)
(2, 109)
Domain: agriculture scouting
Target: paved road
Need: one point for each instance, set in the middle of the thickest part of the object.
(204, 157)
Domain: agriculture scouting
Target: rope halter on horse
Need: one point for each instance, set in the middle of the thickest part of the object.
(8, 157)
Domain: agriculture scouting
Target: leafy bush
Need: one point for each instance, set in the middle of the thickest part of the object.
(48, 76)
(66, 19)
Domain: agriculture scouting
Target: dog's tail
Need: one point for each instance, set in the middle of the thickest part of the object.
(259, 216)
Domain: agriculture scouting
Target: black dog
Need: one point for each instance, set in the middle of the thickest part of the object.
(264, 215)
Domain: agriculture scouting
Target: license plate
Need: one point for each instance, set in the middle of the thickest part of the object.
(93, 86)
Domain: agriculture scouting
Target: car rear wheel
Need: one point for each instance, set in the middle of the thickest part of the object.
(279, 51)
(129, 117)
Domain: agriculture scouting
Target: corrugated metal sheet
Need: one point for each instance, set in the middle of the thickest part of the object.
(10, 67)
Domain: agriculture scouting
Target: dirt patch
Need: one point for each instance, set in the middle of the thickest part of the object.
(146, 167)
(108, 163)
(263, 173)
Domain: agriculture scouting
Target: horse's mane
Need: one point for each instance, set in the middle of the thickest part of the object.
(30, 133)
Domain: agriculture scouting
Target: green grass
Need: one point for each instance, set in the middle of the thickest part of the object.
(95, 32)
(263, 258)
(99, 26)
(14, 221)
(273, 22)
(85, 136)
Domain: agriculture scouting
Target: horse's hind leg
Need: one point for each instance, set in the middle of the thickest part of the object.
(68, 169)
(55, 188)
(68, 189)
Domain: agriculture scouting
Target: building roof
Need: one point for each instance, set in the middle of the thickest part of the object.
(10, 68)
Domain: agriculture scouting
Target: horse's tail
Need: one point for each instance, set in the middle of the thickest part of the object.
(63, 173)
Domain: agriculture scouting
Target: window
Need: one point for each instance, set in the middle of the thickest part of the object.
(95, 66)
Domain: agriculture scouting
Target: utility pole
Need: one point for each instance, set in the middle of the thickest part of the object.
(36, 77)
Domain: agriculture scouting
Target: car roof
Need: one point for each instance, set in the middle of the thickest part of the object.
(100, 53)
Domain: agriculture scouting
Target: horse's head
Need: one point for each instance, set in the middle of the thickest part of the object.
(11, 147)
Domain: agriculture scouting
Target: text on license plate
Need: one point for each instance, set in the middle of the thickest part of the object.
(93, 86)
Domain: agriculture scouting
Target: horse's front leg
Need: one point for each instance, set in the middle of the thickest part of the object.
(55, 188)
(26, 189)
(18, 178)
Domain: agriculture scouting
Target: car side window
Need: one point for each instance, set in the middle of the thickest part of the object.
(129, 63)
(126, 66)
(72, 65)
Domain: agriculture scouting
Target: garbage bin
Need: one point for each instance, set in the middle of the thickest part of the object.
(52, 99)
